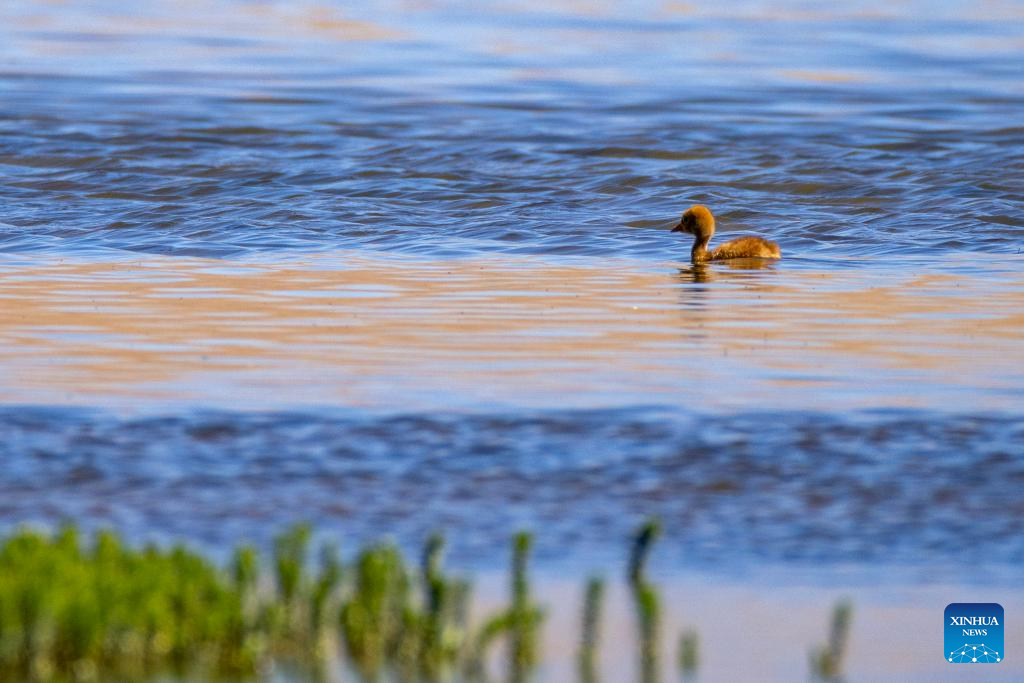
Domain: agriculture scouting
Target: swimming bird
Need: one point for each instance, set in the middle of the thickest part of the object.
(698, 221)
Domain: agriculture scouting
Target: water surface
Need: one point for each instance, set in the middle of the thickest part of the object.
(407, 266)
(408, 334)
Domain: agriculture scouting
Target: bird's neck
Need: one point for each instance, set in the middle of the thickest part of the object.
(699, 253)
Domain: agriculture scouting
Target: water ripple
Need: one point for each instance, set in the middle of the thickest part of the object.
(896, 488)
(402, 139)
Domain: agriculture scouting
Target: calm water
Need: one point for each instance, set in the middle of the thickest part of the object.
(407, 266)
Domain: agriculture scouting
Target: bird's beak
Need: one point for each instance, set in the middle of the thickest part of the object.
(679, 227)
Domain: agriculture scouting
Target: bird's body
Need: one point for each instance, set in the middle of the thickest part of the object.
(745, 247)
(698, 221)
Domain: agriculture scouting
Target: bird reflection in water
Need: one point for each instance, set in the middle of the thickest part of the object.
(706, 272)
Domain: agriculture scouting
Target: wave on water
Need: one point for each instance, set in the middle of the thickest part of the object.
(924, 489)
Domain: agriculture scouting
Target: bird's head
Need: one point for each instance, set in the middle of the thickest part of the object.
(697, 221)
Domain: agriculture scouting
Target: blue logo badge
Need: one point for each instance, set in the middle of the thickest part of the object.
(974, 633)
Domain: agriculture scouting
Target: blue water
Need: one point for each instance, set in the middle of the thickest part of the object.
(927, 494)
(235, 128)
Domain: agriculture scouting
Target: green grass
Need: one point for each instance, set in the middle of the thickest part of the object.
(74, 609)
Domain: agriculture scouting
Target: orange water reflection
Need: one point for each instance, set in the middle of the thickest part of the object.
(402, 333)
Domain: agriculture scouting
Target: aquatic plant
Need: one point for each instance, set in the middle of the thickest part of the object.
(324, 588)
(74, 612)
(520, 622)
(77, 610)
(647, 602)
(827, 660)
(592, 599)
(689, 654)
(525, 616)
(643, 540)
(376, 614)
(443, 636)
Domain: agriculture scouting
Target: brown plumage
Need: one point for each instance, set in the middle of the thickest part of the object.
(698, 221)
